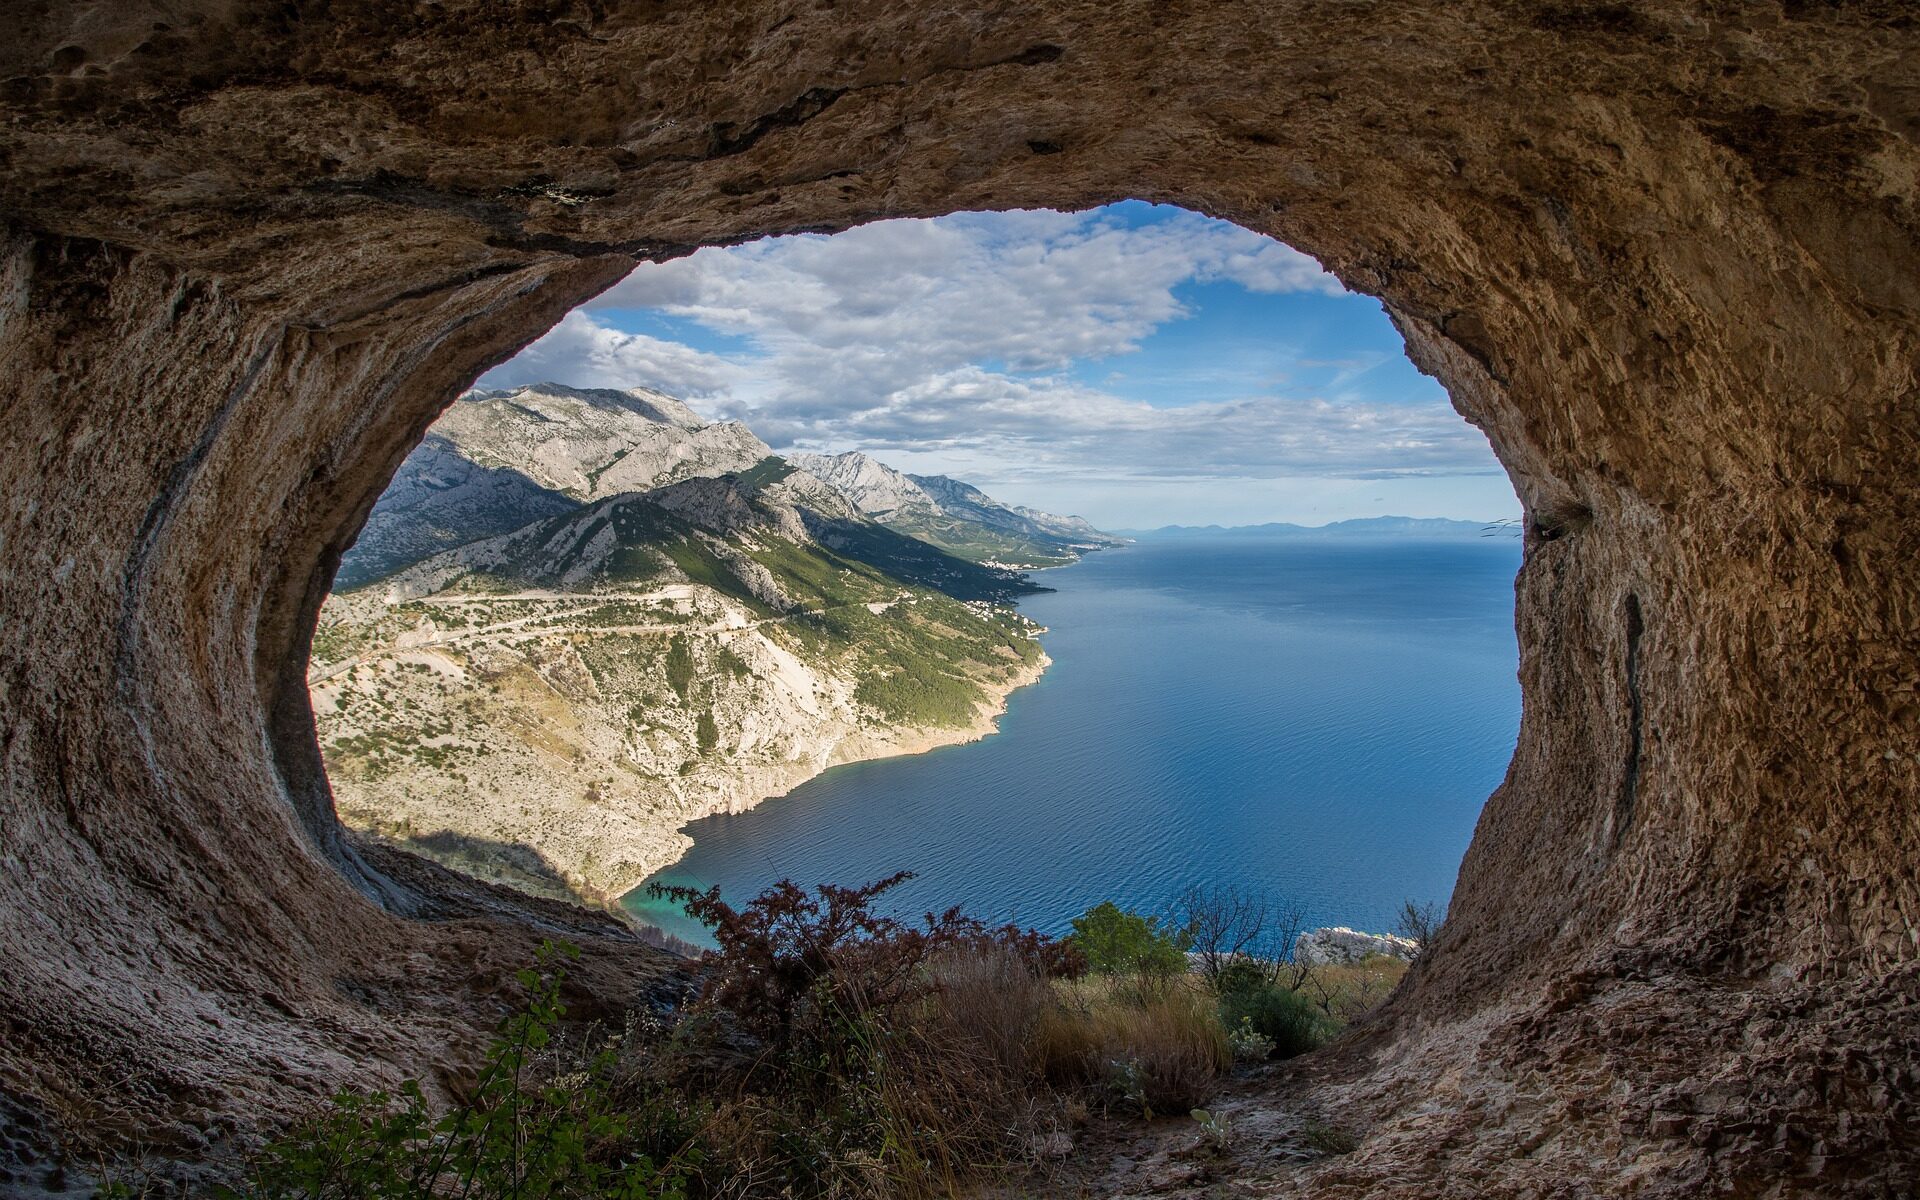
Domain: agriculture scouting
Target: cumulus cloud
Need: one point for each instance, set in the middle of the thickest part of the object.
(1052, 421)
(959, 337)
(1031, 291)
(583, 352)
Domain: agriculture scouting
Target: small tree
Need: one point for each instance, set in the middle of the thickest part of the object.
(1116, 942)
(1230, 926)
(1418, 924)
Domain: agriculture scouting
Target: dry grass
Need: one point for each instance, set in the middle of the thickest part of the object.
(958, 1092)
(1346, 991)
(1154, 1043)
(935, 1094)
(966, 1081)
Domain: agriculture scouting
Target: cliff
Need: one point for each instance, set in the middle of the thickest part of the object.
(548, 707)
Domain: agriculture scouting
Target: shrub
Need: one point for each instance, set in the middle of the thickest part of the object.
(1345, 991)
(957, 1086)
(680, 668)
(1229, 927)
(1216, 1130)
(1116, 941)
(1242, 976)
(1419, 923)
(1249, 1044)
(1288, 1020)
(1329, 1139)
(791, 964)
(525, 1129)
(888, 1057)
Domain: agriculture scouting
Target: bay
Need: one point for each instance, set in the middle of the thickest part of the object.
(1321, 718)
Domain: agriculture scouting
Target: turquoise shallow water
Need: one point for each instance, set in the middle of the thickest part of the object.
(1321, 718)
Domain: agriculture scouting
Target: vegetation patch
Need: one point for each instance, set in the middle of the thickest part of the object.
(767, 472)
(829, 1050)
(680, 667)
(698, 562)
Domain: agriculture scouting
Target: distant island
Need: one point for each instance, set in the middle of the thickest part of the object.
(1433, 527)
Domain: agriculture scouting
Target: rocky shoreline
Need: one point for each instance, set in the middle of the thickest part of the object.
(862, 746)
(559, 820)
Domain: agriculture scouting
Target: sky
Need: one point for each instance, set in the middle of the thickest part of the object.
(1138, 365)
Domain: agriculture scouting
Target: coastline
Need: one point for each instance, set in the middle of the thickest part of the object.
(858, 746)
(552, 829)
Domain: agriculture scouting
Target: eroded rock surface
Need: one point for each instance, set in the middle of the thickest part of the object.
(1664, 253)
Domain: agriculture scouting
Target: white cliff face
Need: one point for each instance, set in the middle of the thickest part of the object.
(953, 515)
(441, 498)
(877, 489)
(499, 459)
(594, 442)
(1075, 529)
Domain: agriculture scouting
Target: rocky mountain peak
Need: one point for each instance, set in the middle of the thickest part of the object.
(502, 457)
(880, 491)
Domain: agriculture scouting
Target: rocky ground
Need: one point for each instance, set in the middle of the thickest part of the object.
(1262, 1131)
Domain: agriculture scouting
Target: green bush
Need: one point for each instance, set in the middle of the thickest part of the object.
(1242, 975)
(524, 1130)
(1117, 942)
(1287, 1019)
(680, 670)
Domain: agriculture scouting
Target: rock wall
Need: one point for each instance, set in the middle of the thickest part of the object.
(1664, 253)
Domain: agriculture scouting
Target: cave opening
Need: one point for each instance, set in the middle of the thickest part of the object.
(597, 604)
(1664, 258)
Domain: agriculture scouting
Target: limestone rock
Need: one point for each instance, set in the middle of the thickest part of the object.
(499, 459)
(1665, 254)
(1338, 944)
(953, 515)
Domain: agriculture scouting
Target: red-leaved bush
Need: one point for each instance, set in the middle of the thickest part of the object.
(791, 957)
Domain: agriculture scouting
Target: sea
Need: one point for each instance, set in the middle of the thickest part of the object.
(1319, 719)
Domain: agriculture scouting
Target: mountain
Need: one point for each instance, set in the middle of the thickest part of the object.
(1358, 527)
(442, 498)
(955, 516)
(547, 704)
(594, 442)
(499, 459)
(711, 530)
(1077, 530)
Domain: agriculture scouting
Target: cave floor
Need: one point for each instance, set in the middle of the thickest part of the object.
(1267, 1130)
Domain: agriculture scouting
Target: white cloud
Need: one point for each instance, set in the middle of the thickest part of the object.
(584, 352)
(955, 339)
(1050, 422)
(1033, 291)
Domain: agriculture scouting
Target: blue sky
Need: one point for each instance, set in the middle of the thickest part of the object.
(1137, 365)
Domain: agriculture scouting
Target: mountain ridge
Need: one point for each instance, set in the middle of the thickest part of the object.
(955, 515)
(499, 458)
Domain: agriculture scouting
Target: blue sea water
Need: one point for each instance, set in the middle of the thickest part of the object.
(1321, 718)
